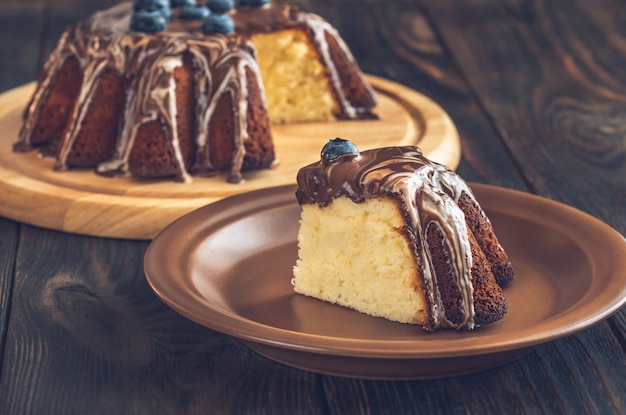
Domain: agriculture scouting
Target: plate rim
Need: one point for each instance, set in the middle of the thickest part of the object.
(465, 345)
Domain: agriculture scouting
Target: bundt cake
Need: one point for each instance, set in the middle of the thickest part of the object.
(168, 89)
(392, 234)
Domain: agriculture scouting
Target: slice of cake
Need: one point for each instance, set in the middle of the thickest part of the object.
(392, 234)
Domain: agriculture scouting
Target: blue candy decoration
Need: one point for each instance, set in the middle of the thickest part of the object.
(161, 6)
(253, 3)
(220, 6)
(338, 147)
(182, 3)
(148, 21)
(218, 23)
(193, 12)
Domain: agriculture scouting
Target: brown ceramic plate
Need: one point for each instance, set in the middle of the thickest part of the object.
(228, 267)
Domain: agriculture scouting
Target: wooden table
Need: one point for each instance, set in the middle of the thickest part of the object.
(538, 93)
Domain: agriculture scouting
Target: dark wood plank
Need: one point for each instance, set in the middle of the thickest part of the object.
(557, 378)
(553, 87)
(87, 335)
(20, 30)
(8, 247)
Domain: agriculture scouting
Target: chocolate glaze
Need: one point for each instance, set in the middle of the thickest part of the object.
(105, 42)
(427, 192)
(274, 17)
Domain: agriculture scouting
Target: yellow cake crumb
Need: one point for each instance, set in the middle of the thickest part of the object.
(297, 87)
(355, 255)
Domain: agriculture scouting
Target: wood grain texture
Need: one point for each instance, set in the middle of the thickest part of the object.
(9, 234)
(87, 334)
(22, 27)
(549, 87)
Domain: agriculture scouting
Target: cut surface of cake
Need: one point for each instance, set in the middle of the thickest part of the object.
(169, 89)
(392, 234)
(308, 71)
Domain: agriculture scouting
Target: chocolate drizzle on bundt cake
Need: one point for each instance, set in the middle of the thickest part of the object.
(407, 213)
(146, 104)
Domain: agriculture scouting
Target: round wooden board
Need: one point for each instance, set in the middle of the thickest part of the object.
(80, 201)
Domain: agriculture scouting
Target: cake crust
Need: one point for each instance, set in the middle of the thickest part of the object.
(143, 103)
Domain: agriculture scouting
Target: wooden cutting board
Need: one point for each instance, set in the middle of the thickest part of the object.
(80, 201)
